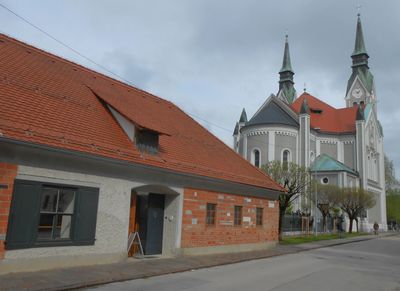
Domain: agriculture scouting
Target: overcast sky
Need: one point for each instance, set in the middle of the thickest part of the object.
(212, 58)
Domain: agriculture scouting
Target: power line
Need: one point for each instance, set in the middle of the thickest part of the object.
(92, 61)
(64, 44)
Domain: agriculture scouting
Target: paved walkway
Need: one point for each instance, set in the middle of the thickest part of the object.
(80, 277)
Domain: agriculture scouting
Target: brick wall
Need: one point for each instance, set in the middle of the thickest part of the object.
(7, 176)
(195, 232)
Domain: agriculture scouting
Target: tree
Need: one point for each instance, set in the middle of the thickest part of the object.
(293, 178)
(327, 199)
(390, 176)
(393, 206)
(353, 201)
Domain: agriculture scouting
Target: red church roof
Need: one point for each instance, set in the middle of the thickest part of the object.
(47, 100)
(327, 118)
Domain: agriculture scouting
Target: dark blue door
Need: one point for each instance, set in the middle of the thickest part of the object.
(155, 224)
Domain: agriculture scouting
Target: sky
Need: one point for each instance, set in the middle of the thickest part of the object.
(212, 58)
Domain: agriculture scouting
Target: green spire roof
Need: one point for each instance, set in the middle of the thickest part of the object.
(304, 107)
(325, 163)
(359, 47)
(243, 116)
(286, 64)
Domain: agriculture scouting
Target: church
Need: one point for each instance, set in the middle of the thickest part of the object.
(341, 146)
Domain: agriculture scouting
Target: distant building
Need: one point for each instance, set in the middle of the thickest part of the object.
(341, 146)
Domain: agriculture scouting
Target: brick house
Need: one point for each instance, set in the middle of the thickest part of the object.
(86, 160)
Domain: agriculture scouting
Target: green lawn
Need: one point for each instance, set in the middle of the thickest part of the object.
(289, 240)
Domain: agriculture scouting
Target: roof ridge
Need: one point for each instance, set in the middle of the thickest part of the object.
(70, 62)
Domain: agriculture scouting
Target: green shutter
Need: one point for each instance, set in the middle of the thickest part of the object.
(24, 211)
(85, 223)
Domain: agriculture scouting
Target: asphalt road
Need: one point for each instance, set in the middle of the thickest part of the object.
(368, 265)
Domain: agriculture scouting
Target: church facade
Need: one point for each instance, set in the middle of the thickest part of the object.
(341, 146)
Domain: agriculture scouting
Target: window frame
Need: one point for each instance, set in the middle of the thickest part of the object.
(213, 212)
(289, 157)
(53, 240)
(238, 219)
(259, 218)
(87, 218)
(253, 157)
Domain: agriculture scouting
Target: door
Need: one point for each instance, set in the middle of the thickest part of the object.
(133, 226)
(155, 224)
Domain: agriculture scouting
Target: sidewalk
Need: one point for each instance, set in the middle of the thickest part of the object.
(80, 277)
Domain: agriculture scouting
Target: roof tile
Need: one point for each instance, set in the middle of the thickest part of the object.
(47, 100)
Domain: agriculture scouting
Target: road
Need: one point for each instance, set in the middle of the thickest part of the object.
(368, 265)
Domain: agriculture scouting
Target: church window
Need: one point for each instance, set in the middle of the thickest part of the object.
(285, 158)
(256, 158)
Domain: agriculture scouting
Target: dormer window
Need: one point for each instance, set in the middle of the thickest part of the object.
(147, 140)
(316, 110)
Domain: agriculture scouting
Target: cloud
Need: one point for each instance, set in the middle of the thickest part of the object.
(212, 58)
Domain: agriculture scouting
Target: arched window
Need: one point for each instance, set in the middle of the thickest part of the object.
(256, 158)
(285, 158)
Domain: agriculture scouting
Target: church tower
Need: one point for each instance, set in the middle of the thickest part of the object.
(360, 87)
(286, 92)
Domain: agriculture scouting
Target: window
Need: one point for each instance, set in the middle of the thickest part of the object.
(56, 213)
(259, 216)
(256, 158)
(147, 141)
(325, 180)
(210, 216)
(46, 214)
(238, 215)
(285, 158)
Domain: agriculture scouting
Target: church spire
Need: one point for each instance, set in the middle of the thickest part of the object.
(360, 87)
(286, 64)
(286, 92)
(359, 47)
(359, 55)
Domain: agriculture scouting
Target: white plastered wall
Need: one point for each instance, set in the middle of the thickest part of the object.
(111, 228)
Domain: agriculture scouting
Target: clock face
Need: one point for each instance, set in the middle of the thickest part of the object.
(356, 93)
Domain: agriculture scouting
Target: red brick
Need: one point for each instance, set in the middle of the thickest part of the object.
(8, 173)
(202, 235)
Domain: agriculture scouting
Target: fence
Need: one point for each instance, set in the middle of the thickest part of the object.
(298, 223)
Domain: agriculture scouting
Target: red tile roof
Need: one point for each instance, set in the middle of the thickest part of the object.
(330, 119)
(48, 100)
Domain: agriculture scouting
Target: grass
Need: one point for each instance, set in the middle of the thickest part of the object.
(291, 240)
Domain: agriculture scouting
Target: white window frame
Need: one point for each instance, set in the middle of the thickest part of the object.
(253, 160)
(290, 155)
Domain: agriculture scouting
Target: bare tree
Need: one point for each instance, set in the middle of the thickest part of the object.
(294, 178)
(353, 201)
(327, 199)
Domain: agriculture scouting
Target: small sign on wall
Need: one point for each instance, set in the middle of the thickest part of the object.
(194, 220)
(271, 204)
(246, 219)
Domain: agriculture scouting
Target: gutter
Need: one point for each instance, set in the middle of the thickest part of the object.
(180, 177)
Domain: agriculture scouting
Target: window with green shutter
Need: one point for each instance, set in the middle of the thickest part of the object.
(45, 214)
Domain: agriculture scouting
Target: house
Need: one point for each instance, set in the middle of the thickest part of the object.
(341, 146)
(86, 160)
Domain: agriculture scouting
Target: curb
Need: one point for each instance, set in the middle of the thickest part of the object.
(210, 265)
(193, 263)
